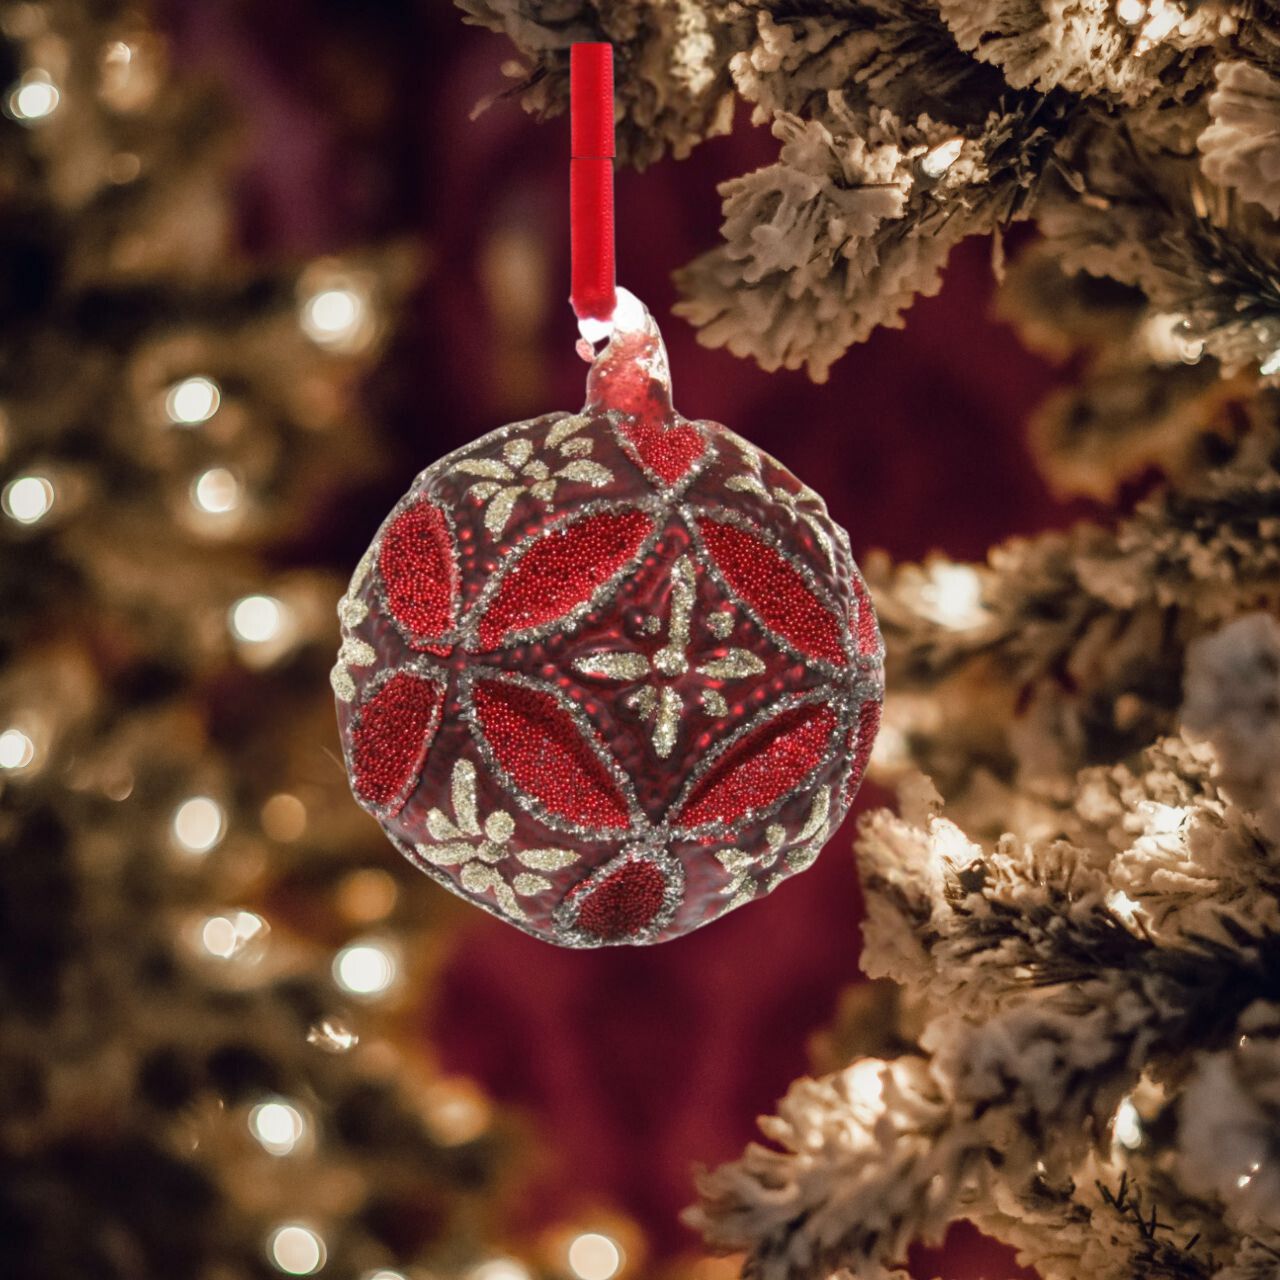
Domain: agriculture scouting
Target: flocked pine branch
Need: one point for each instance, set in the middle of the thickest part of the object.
(906, 125)
(1062, 977)
(1081, 907)
(1065, 650)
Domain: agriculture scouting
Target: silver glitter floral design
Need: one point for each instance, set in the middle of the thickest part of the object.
(354, 652)
(476, 847)
(804, 505)
(519, 472)
(656, 700)
(742, 887)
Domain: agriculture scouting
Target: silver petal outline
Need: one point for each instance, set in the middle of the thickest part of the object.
(589, 734)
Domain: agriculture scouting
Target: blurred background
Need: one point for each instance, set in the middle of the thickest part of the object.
(260, 266)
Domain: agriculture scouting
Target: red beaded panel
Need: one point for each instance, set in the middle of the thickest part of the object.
(868, 632)
(774, 590)
(536, 741)
(563, 570)
(392, 736)
(417, 566)
(667, 452)
(609, 670)
(761, 767)
(861, 739)
(623, 903)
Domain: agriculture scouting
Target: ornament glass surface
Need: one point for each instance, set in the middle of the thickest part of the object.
(609, 674)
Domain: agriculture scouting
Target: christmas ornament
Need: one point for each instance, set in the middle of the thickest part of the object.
(608, 674)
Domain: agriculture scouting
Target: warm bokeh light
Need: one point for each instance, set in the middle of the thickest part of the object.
(34, 98)
(499, 1269)
(27, 499)
(336, 317)
(365, 968)
(937, 160)
(1127, 1129)
(257, 619)
(227, 936)
(952, 596)
(457, 1112)
(1166, 337)
(1123, 905)
(296, 1250)
(192, 401)
(367, 895)
(333, 1035)
(16, 750)
(198, 824)
(284, 818)
(278, 1126)
(216, 491)
(594, 1256)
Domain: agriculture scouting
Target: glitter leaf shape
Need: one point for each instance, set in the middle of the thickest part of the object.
(541, 748)
(774, 590)
(420, 574)
(390, 738)
(561, 572)
(766, 763)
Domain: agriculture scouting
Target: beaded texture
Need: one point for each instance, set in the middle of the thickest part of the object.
(610, 674)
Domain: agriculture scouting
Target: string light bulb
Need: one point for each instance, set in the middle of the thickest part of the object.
(952, 596)
(938, 159)
(365, 968)
(336, 310)
(256, 619)
(17, 750)
(28, 499)
(198, 824)
(1127, 1127)
(278, 1126)
(192, 401)
(216, 491)
(1161, 819)
(296, 1249)
(1152, 19)
(229, 935)
(499, 1269)
(594, 1256)
(1271, 365)
(1168, 340)
(34, 98)
(1122, 905)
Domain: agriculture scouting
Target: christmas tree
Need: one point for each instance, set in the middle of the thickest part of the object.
(208, 1057)
(1077, 895)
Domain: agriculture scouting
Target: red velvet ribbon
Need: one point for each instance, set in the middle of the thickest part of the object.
(592, 291)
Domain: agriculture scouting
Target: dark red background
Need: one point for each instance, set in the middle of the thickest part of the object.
(633, 1065)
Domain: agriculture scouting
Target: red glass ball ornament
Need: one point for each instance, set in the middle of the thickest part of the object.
(609, 674)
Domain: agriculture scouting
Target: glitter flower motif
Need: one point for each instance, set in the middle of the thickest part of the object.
(657, 700)
(808, 844)
(354, 652)
(464, 842)
(504, 481)
(805, 505)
